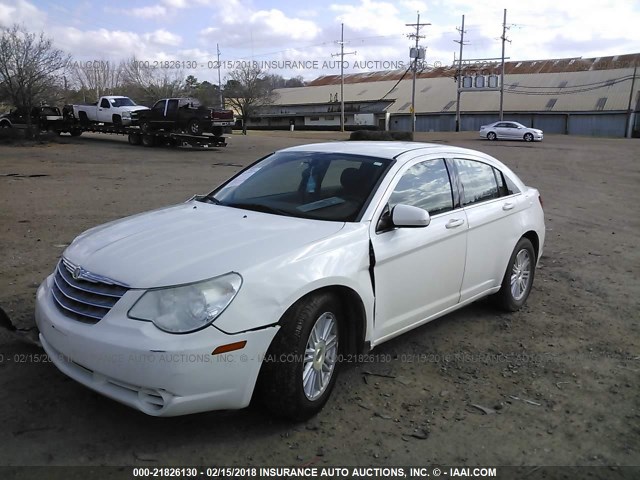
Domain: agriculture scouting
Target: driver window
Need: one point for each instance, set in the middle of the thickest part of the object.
(105, 103)
(425, 185)
(159, 106)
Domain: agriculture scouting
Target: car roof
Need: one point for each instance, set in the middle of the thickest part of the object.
(382, 149)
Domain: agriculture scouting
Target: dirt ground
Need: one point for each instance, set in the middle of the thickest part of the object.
(558, 380)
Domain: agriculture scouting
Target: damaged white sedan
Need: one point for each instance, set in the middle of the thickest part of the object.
(302, 261)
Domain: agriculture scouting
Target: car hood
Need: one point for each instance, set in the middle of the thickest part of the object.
(190, 242)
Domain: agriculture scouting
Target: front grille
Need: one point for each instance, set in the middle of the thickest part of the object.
(88, 298)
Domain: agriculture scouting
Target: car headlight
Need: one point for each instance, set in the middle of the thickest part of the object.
(187, 308)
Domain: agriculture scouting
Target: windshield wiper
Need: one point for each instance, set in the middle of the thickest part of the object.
(208, 199)
(258, 207)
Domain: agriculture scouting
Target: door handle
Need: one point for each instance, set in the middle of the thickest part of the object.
(454, 222)
(508, 206)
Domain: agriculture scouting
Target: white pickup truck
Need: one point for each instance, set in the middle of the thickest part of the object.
(109, 109)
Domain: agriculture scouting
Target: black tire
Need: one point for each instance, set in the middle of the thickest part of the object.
(194, 127)
(116, 119)
(75, 133)
(217, 131)
(148, 140)
(492, 136)
(135, 139)
(281, 385)
(145, 126)
(5, 124)
(506, 298)
(528, 137)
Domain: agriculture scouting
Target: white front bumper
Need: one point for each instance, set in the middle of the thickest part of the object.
(158, 373)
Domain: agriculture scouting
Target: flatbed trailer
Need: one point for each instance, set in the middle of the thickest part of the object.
(150, 139)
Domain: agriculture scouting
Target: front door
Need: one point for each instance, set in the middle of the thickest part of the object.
(418, 271)
(104, 111)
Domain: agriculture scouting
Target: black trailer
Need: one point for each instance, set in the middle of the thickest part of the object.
(150, 139)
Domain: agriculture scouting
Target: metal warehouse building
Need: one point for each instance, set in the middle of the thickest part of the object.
(594, 96)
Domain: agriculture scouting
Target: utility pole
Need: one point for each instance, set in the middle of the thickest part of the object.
(630, 115)
(219, 81)
(341, 55)
(416, 56)
(504, 39)
(461, 42)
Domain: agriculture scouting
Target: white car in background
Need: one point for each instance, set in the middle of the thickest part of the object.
(304, 260)
(510, 131)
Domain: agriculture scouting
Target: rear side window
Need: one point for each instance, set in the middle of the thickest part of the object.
(478, 181)
(425, 185)
(505, 185)
(172, 106)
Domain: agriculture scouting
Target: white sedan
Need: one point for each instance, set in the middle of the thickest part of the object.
(510, 131)
(302, 261)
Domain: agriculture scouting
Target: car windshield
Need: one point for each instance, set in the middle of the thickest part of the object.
(122, 102)
(317, 185)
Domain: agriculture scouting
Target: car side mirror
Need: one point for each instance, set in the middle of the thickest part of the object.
(409, 216)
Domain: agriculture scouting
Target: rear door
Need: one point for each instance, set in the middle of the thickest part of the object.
(491, 208)
(418, 271)
(501, 130)
(171, 114)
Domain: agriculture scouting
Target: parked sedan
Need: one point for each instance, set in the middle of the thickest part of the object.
(510, 131)
(304, 260)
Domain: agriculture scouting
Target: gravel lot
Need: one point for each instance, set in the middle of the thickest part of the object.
(558, 380)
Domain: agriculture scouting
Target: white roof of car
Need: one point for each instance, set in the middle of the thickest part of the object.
(381, 149)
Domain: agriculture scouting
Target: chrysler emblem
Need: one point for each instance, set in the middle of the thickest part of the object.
(77, 273)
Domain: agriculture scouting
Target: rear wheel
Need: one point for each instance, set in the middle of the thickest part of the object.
(491, 136)
(135, 139)
(528, 137)
(518, 278)
(75, 133)
(301, 366)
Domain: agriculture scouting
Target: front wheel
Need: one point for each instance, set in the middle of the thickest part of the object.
(145, 126)
(528, 137)
(518, 278)
(491, 136)
(301, 366)
(195, 128)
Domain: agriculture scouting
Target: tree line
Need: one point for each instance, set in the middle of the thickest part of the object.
(33, 72)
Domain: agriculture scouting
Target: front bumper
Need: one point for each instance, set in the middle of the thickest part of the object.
(137, 364)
